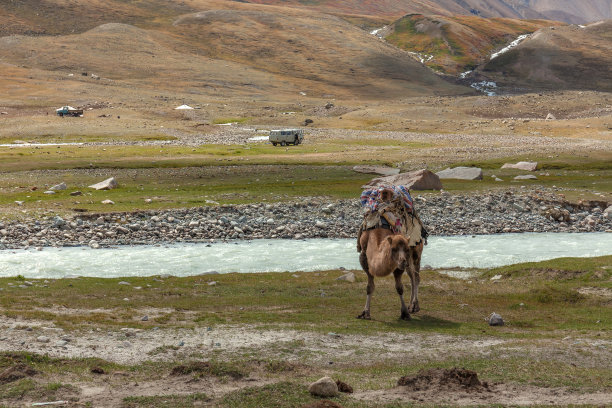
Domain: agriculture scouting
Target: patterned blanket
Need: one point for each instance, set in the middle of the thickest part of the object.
(372, 198)
(393, 204)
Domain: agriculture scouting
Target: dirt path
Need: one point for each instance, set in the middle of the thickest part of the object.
(134, 346)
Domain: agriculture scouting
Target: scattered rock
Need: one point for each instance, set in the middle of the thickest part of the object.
(107, 184)
(43, 339)
(124, 283)
(349, 277)
(527, 166)
(415, 180)
(49, 192)
(461, 173)
(550, 116)
(526, 177)
(324, 387)
(76, 193)
(144, 319)
(495, 320)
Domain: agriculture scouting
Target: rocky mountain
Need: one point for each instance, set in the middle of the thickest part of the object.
(453, 45)
(570, 57)
(570, 11)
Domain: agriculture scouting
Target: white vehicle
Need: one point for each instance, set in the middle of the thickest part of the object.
(286, 136)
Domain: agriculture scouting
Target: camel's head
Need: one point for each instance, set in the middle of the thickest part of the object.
(399, 250)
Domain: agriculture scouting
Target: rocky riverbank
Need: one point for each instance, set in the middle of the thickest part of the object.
(444, 214)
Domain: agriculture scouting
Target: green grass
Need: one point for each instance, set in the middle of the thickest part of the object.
(550, 337)
(220, 121)
(165, 401)
(88, 138)
(185, 187)
(551, 307)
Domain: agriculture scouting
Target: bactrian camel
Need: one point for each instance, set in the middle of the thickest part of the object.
(383, 252)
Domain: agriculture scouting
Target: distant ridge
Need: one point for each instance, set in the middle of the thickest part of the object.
(571, 57)
(569, 11)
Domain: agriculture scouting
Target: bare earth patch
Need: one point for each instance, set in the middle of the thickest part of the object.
(504, 394)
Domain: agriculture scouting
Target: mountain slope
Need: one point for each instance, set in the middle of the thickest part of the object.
(455, 44)
(561, 58)
(569, 11)
(219, 47)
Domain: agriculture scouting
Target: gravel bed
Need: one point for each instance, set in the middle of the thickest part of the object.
(446, 214)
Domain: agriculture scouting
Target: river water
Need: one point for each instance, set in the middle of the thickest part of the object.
(276, 255)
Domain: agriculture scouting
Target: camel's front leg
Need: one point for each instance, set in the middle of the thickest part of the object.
(370, 289)
(415, 279)
(400, 291)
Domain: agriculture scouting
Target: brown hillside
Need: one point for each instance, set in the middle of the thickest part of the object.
(570, 11)
(455, 44)
(225, 47)
(562, 58)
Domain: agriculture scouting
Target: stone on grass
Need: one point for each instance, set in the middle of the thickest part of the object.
(381, 170)
(349, 277)
(108, 202)
(58, 187)
(461, 173)
(414, 180)
(526, 177)
(75, 193)
(324, 387)
(495, 320)
(527, 166)
(107, 184)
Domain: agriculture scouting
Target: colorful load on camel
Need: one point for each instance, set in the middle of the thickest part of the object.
(392, 207)
(371, 198)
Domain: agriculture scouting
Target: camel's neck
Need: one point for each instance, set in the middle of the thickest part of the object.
(383, 259)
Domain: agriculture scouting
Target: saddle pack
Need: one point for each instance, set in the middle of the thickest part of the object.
(392, 207)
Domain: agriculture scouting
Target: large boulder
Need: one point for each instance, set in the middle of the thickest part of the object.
(414, 180)
(324, 387)
(381, 170)
(461, 173)
(527, 166)
(107, 184)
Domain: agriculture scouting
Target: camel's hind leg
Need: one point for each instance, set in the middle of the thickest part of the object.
(369, 290)
(400, 291)
(414, 267)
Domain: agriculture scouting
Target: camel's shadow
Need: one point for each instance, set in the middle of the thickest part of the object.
(425, 322)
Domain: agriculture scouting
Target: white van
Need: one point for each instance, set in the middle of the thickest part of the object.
(286, 136)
